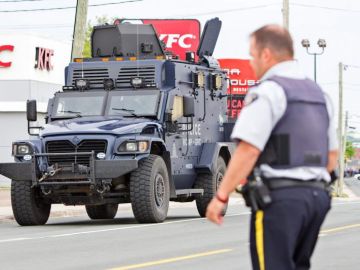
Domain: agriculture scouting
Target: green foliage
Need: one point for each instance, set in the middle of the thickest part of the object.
(98, 21)
(349, 151)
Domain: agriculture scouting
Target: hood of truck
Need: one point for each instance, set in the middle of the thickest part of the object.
(97, 125)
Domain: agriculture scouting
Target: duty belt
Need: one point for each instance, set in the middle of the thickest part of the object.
(276, 183)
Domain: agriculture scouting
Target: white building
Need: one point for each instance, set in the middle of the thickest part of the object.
(31, 67)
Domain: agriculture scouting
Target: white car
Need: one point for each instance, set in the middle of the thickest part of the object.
(357, 176)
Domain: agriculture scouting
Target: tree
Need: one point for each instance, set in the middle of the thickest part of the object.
(349, 151)
(98, 21)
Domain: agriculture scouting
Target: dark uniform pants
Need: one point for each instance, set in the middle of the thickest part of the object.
(283, 236)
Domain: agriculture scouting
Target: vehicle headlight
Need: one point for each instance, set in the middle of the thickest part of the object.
(101, 155)
(27, 157)
(82, 84)
(143, 146)
(134, 146)
(109, 84)
(21, 149)
(131, 146)
(137, 82)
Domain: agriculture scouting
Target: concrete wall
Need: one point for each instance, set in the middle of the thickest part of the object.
(14, 93)
(13, 126)
(22, 81)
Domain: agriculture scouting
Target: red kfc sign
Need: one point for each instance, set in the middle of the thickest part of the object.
(179, 36)
(43, 58)
(241, 77)
(3, 48)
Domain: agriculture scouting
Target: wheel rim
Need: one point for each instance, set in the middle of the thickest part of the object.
(159, 190)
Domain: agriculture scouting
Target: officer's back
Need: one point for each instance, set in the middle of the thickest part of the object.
(286, 131)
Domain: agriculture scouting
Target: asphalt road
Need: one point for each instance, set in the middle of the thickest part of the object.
(184, 241)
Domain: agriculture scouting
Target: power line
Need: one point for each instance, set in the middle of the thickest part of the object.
(62, 8)
(328, 8)
(350, 66)
(327, 83)
(35, 26)
(17, 1)
(229, 10)
(332, 83)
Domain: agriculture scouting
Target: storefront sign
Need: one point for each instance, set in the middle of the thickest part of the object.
(43, 58)
(241, 77)
(179, 36)
(3, 48)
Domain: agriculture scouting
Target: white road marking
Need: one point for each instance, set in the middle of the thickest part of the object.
(342, 203)
(113, 229)
(14, 240)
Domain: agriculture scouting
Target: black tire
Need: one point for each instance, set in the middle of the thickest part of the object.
(210, 183)
(150, 191)
(27, 204)
(103, 211)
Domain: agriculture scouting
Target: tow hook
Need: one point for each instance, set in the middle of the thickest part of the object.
(102, 189)
(46, 191)
(49, 173)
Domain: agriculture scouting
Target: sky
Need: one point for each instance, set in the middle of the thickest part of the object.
(335, 21)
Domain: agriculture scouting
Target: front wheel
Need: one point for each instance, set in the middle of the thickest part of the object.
(209, 182)
(150, 191)
(27, 204)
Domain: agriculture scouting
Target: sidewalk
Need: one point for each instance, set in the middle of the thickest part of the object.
(351, 196)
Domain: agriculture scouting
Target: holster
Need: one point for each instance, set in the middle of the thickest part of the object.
(256, 195)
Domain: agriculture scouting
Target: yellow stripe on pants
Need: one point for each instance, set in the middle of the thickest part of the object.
(259, 236)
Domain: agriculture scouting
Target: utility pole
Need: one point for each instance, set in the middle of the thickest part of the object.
(79, 29)
(341, 136)
(285, 11)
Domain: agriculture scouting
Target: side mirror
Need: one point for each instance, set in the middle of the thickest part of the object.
(189, 106)
(31, 112)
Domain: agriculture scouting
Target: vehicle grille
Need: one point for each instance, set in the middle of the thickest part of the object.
(67, 147)
(94, 76)
(127, 73)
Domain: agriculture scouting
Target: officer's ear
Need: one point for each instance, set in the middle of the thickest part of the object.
(266, 55)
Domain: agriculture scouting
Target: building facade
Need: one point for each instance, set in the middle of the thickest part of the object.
(31, 67)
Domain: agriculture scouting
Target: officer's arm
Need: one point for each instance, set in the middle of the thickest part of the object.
(332, 160)
(241, 164)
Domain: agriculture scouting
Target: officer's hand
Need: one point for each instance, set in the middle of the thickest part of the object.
(214, 211)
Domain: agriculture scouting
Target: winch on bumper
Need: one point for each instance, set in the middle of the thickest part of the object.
(40, 174)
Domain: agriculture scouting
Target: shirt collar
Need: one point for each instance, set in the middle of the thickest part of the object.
(288, 69)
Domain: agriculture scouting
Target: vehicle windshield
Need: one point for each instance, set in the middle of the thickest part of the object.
(133, 103)
(70, 105)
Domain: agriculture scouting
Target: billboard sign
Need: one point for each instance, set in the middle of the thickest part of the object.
(3, 48)
(241, 78)
(179, 36)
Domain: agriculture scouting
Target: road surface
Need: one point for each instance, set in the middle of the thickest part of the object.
(184, 241)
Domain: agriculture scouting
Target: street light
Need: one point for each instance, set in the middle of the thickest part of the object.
(321, 43)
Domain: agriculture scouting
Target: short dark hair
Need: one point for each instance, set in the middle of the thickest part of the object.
(276, 38)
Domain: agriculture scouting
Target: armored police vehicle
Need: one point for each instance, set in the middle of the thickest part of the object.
(130, 126)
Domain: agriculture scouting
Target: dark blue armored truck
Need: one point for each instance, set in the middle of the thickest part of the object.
(130, 126)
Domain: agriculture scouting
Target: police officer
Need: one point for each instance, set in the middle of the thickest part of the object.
(286, 130)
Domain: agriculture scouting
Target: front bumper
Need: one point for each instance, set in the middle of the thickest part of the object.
(96, 170)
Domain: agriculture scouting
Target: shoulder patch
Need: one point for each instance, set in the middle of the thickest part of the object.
(250, 98)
